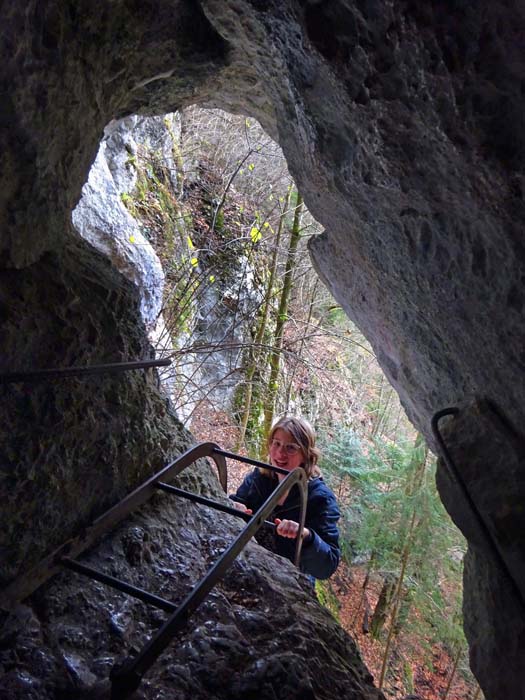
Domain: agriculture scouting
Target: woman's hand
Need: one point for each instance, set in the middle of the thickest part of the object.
(289, 528)
(242, 507)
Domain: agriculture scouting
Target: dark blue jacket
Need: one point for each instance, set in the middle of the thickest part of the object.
(320, 555)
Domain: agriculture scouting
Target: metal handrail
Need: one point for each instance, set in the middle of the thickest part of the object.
(492, 544)
(37, 375)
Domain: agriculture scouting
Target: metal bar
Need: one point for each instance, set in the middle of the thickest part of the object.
(220, 463)
(133, 591)
(492, 544)
(43, 374)
(23, 586)
(303, 490)
(128, 677)
(208, 502)
(249, 460)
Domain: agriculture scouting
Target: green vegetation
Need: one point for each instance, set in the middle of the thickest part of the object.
(394, 519)
(327, 597)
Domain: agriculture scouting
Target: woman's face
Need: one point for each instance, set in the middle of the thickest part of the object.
(285, 452)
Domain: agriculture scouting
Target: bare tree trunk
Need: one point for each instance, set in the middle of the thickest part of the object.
(363, 598)
(275, 355)
(452, 674)
(397, 599)
(301, 345)
(378, 410)
(419, 462)
(382, 420)
(256, 352)
(383, 605)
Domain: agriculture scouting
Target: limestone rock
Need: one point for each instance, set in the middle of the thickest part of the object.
(481, 492)
(102, 218)
(402, 124)
(259, 634)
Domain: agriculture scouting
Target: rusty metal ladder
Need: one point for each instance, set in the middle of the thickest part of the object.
(127, 677)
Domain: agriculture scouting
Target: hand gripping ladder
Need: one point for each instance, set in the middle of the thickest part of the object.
(127, 677)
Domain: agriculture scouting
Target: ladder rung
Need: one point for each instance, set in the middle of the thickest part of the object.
(208, 502)
(118, 584)
(249, 460)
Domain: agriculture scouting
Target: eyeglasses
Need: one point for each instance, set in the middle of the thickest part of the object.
(290, 447)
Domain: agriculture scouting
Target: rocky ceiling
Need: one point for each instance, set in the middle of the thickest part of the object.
(403, 125)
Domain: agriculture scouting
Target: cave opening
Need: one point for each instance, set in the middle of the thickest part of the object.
(403, 135)
(198, 198)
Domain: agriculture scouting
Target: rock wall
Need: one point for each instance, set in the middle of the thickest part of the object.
(402, 123)
(102, 218)
(485, 451)
(259, 634)
(71, 447)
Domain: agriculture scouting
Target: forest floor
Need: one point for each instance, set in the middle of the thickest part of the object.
(417, 669)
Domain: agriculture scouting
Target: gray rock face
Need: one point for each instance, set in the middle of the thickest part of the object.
(71, 447)
(225, 318)
(260, 634)
(489, 458)
(102, 219)
(402, 124)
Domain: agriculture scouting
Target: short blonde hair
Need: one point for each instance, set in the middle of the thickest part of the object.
(304, 435)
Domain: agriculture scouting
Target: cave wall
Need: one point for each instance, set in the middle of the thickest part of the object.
(259, 635)
(72, 446)
(402, 123)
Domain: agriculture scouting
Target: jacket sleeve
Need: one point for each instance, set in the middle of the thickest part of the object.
(246, 492)
(320, 556)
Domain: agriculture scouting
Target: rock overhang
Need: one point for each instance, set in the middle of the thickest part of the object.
(402, 125)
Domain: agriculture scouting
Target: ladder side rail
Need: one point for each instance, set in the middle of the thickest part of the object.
(127, 677)
(303, 490)
(220, 463)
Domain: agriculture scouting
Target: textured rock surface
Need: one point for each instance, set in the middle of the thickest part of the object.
(489, 457)
(402, 123)
(102, 218)
(70, 447)
(260, 634)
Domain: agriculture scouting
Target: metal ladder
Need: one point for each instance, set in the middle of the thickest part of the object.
(127, 677)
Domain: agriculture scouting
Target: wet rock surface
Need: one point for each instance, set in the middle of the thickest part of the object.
(259, 634)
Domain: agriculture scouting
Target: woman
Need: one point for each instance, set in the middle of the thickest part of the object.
(291, 445)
